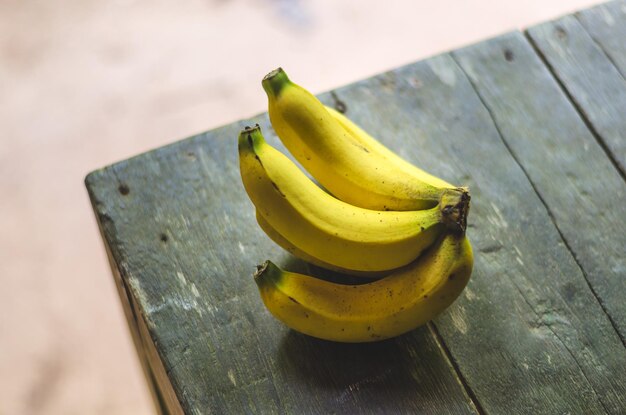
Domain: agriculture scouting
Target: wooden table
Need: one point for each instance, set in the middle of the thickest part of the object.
(534, 123)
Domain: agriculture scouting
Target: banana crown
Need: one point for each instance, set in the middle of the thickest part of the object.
(455, 207)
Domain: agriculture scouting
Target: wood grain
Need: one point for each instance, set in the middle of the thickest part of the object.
(139, 341)
(590, 79)
(592, 226)
(606, 23)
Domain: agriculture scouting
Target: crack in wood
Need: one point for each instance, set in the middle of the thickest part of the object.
(579, 109)
(599, 44)
(445, 351)
(554, 223)
(615, 163)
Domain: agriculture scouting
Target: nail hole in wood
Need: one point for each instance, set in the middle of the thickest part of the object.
(415, 82)
(124, 189)
(163, 238)
(561, 33)
(508, 55)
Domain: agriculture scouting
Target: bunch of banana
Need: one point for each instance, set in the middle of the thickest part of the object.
(383, 216)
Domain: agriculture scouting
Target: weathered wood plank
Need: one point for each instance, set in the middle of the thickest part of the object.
(606, 23)
(576, 180)
(183, 234)
(166, 396)
(600, 93)
(584, 194)
(528, 335)
(590, 79)
(133, 326)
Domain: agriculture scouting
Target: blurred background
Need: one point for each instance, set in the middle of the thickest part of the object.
(85, 83)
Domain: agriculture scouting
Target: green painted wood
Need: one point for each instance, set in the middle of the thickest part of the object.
(606, 23)
(182, 232)
(584, 195)
(528, 335)
(590, 78)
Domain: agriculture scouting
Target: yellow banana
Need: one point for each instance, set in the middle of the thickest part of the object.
(280, 240)
(333, 231)
(376, 146)
(353, 167)
(375, 311)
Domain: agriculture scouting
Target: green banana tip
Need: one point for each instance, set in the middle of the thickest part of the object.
(267, 272)
(274, 82)
(250, 137)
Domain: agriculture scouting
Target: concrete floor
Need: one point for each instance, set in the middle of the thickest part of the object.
(85, 83)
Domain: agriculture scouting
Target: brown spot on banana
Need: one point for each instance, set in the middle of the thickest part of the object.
(278, 190)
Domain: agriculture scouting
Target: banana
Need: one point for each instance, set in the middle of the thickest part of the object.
(333, 231)
(280, 240)
(376, 146)
(353, 166)
(374, 311)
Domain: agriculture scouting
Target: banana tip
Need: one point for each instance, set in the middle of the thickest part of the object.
(260, 269)
(250, 136)
(266, 273)
(274, 82)
(248, 130)
(271, 74)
